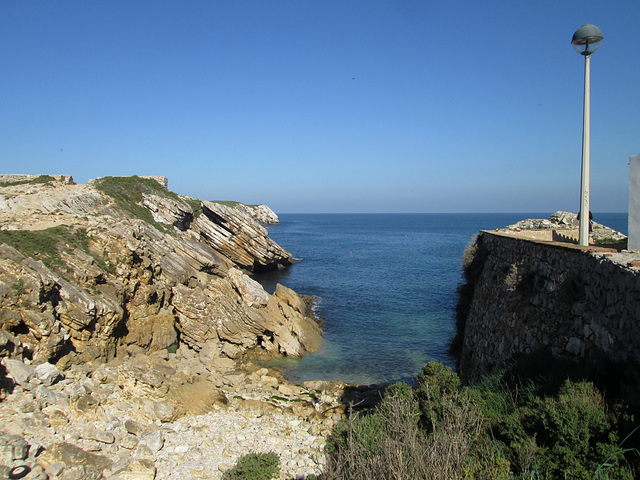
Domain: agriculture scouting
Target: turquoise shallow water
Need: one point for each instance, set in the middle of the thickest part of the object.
(385, 286)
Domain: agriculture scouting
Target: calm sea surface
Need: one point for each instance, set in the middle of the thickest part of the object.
(385, 286)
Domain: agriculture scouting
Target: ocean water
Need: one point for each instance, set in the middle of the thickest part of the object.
(385, 287)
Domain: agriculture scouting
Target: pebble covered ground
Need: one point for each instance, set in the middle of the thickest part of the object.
(95, 423)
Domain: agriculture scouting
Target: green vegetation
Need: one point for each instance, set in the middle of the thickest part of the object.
(255, 466)
(43, 179)
(46, 244)
(195, 204)
(36, 180)
(520, 423)
(19, 286)
(473, 259)
(228, 203)
(127, 193)
(611, 241)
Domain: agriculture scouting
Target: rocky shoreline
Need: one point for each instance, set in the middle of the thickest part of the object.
(113, 420)
(128, 318)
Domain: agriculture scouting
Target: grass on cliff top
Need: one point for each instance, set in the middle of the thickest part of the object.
(40, 179)
(127, 193)
(46, 244)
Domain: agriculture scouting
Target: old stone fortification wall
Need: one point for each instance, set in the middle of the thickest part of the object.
(529, 296)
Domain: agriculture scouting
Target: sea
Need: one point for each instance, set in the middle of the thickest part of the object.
(384, 287)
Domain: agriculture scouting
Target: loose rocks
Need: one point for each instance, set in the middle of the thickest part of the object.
(96, 422)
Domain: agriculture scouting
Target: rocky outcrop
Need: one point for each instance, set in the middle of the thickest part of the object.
(109, 279)
(127, 317)
(159, 416)
(261, 213)
(239, 237)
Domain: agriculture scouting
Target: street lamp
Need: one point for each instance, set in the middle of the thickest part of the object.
(586, 40)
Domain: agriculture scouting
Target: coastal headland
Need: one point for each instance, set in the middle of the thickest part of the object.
(127, 319)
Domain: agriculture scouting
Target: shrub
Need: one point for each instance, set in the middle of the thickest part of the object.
(255, 466)
(576, 431)
(395, 440)
(42, 179)
(516, 424)
(552, 428)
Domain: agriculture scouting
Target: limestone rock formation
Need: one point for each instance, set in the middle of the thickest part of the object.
(128, 318)
(91, 271)
(261, 213)
(239, 237)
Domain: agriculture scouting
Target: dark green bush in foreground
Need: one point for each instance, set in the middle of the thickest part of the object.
(513, 425)
(255, 466)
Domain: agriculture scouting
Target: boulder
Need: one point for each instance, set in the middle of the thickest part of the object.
(48, 374)
(20, 372)
(76, 462)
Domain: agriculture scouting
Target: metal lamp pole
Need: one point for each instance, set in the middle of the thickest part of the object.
(586, 40)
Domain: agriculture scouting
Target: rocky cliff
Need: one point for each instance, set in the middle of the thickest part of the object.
(89, 271)
(127, 313)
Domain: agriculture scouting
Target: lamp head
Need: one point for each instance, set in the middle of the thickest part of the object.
(587, 39)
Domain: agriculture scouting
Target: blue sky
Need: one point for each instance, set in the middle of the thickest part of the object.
(325, 106)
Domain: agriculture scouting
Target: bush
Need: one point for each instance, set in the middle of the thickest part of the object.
(430, 432)
(255, 466)
(553, 429)
(516, 424)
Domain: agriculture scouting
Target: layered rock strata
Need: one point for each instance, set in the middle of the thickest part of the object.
(99, 283)
(105, 279)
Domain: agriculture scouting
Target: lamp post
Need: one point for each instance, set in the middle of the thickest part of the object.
(586, 40)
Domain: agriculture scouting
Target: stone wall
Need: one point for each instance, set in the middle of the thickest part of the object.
(527, 296)
(634, 202)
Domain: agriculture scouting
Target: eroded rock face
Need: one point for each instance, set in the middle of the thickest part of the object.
(122, 340)
(107, 281)
(238, 236)
(168, 210)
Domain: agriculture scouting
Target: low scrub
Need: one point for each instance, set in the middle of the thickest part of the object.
(46, 244)
(508, 427)
(255, 466)
(127, 194)
(40, 179)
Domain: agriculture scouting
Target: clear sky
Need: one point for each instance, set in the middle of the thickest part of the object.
(326, 106)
